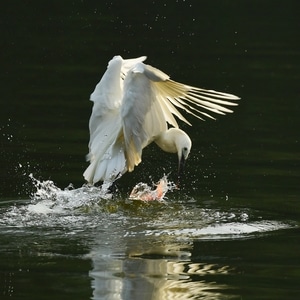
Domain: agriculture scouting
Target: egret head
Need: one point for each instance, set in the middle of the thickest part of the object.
(183, 145)
(174, 140)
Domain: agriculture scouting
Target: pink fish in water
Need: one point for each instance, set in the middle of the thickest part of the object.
(145, 193)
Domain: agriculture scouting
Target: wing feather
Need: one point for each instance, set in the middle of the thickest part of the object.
(106, 149)
(189, 98)
(142, 116)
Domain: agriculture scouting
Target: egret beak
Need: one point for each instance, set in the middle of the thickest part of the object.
(181, 166)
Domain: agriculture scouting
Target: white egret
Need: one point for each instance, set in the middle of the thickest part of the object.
(134, 104)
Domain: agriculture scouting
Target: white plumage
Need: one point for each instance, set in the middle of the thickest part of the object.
(133, 105)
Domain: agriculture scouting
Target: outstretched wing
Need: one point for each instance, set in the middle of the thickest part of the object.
(105, 120)
(195, 101)
(106, 149)
(151, 100)
(107, 95)
(142, 115)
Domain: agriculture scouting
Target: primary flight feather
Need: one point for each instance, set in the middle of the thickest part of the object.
(133, 105)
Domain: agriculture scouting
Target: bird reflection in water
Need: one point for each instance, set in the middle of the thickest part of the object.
(163, 272)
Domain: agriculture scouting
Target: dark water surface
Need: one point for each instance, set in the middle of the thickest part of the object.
(231, 232)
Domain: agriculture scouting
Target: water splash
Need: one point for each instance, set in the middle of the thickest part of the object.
(52, 207)
(91, 206)
(144, 192)
(50, 198)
